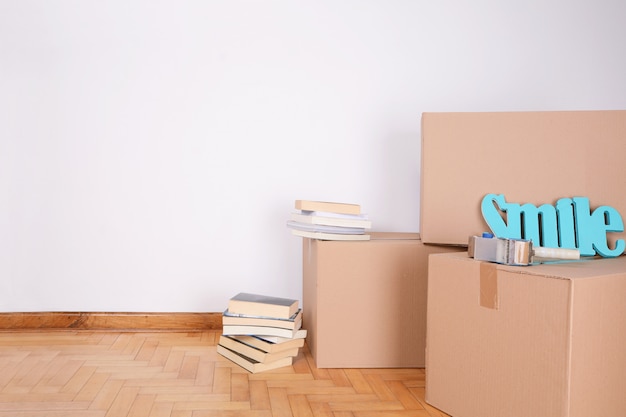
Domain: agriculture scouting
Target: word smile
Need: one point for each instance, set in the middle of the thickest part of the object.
(569, 224)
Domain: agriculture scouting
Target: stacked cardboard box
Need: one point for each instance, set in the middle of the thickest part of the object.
(365, 302)
(530, 157)
(541, 341)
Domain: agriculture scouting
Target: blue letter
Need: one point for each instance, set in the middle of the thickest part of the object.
(565, 213)
(531, 215)
(607, 219)
(584, 226)
(494, 219)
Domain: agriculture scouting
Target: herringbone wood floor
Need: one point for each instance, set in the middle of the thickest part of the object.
(113, 374)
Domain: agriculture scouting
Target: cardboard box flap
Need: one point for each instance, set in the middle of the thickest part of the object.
(572, 270)
(394, 236)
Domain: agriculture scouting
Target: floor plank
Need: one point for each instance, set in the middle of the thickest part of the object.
(179, 374)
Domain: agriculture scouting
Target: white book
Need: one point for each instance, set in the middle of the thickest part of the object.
(270, 344)
(329, 236)
(345, 220)
(294, 322)
(279, 340)
(234, 330)
(324, 228)
(300, 334)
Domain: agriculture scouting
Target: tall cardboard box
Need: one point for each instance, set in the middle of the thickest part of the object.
(540, 341)
(364, 302)
(530, 157)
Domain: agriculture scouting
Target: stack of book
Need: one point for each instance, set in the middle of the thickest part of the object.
(261, 332)
(329, 221)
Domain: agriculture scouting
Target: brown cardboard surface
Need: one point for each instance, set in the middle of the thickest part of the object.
(364, 302)
(530, 157)
(554, 346)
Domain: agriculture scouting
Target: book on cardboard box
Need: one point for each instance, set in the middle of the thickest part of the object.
(335, 207)
(332, 219)
(329, 236)
(292, 224)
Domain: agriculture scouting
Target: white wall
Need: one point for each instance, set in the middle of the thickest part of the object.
(151, 151)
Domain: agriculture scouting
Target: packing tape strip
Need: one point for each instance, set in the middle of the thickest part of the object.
(489, 285)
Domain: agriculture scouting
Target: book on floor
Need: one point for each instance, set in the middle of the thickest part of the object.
(230, 330)
(335, 207)
(270, 344)
(300, 334)
(250, 364)
(254, 352)
(262, 305)
(330, 236)
(332, 219)
(294, 322)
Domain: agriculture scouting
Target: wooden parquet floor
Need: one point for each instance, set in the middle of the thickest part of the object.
(115, 374)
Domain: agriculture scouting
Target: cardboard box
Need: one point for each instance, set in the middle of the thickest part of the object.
(540, 341)
(530, 157)
(364, 302)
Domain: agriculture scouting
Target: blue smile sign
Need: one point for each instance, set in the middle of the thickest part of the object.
(570, 224)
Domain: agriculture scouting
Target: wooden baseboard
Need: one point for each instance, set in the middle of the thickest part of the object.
(111, 321)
